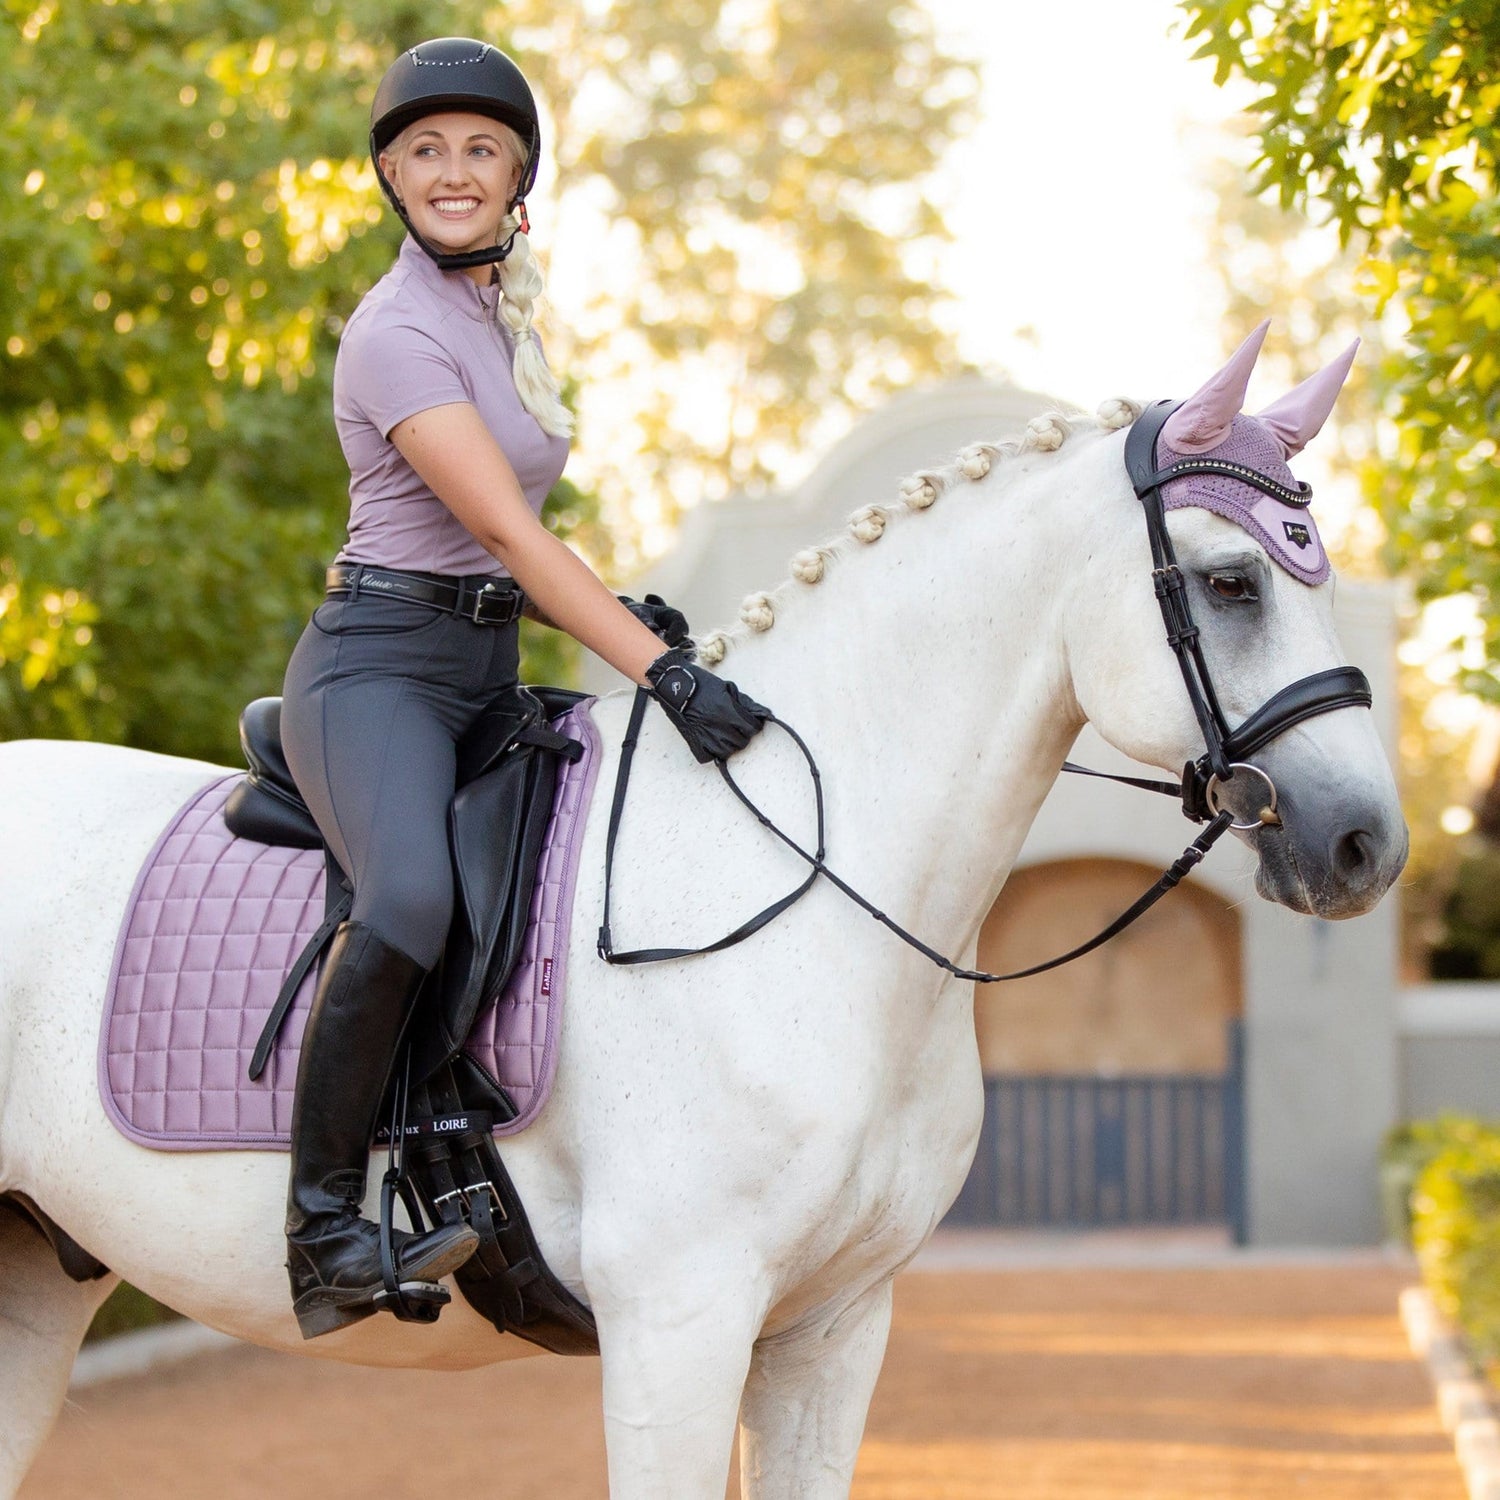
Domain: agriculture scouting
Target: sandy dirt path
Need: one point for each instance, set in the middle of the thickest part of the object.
(1234, 1382)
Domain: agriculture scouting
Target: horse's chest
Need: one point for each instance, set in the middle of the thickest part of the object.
(908, 1144)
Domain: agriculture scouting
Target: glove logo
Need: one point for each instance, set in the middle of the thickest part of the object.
(677, 685)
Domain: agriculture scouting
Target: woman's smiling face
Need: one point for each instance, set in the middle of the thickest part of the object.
(456, 174)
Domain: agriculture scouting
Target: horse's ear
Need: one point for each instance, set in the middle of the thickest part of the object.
(1296, 418)
(1203, 420)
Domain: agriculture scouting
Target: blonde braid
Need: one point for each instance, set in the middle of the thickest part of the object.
(520, 286)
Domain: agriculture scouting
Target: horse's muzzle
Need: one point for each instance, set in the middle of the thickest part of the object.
(1335, 859)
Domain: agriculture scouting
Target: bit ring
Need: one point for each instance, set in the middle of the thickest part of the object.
(1266, 818)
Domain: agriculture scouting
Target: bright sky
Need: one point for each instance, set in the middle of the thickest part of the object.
(1078, 205)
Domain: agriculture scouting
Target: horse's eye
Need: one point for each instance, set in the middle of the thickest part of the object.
(1233, 586)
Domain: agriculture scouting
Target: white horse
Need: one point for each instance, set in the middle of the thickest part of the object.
(741, 1151)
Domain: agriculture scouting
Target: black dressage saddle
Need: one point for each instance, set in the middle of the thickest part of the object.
(444, 1105)
(507, 772)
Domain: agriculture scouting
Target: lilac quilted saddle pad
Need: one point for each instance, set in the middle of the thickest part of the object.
(215, 924)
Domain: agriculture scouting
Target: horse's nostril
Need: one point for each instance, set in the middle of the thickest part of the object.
(1354, 855)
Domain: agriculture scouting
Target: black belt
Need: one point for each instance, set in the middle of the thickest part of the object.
(485, 601)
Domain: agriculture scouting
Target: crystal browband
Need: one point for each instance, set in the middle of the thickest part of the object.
(1300, 497)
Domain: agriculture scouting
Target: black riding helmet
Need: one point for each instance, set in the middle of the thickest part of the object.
(455, 73)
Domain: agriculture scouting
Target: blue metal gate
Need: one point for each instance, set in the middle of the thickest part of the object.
(1093, 1152)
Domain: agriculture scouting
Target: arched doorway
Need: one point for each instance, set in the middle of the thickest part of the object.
(1111, 1084)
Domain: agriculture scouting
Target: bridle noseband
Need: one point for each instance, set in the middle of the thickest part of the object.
(1228, 750)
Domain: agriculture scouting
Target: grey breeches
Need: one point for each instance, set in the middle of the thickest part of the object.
(378, 693)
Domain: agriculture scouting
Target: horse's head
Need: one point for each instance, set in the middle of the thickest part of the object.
(1257, 589)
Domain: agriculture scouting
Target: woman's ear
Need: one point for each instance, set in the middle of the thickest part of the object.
(389, 170)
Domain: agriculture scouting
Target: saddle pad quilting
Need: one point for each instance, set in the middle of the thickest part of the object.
(214, 925)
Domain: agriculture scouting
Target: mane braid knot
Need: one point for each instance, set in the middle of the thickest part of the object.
(918, 492)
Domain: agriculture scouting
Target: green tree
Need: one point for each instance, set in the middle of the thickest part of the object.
(762, 171)
(190, 217)
(1269, 260)
(1383, 116)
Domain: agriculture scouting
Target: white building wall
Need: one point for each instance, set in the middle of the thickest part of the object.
(1449, 1050)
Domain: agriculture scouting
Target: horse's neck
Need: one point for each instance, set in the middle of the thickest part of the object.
(928, 675)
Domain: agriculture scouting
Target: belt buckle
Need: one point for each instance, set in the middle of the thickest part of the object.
(480, 595)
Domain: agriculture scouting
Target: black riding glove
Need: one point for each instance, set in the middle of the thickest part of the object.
(713, 716)
(660, 618)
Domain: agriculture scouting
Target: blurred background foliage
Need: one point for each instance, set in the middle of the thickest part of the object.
(1378, 120)
(1380, 116)
(190, 216)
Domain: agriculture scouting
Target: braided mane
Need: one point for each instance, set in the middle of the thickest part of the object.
(918, 492)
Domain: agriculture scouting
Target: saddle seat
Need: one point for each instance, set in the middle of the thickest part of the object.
(497, 821)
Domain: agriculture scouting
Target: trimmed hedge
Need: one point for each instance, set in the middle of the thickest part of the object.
(1456, 1231)
(1404, 1156)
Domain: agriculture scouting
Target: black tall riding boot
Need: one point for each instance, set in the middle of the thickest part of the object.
(333, 1255)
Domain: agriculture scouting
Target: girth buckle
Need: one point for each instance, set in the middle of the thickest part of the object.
(466, 1195)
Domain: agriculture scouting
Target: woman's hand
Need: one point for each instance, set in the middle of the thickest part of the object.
(661, 620)
(712, 714)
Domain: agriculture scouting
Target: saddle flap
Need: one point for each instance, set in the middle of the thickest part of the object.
(496, 827)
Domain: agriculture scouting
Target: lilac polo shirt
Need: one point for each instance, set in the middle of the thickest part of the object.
(421, 338)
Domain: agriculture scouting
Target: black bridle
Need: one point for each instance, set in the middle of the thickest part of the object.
(1227, 752)
(1228, 749)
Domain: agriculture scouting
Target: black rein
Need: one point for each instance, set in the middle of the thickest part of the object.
(1227, 749)
(1170, 877)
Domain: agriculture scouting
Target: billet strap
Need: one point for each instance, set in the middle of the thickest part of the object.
(616, 811)
(543, 738)
(293, 982)
(1172, 876)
